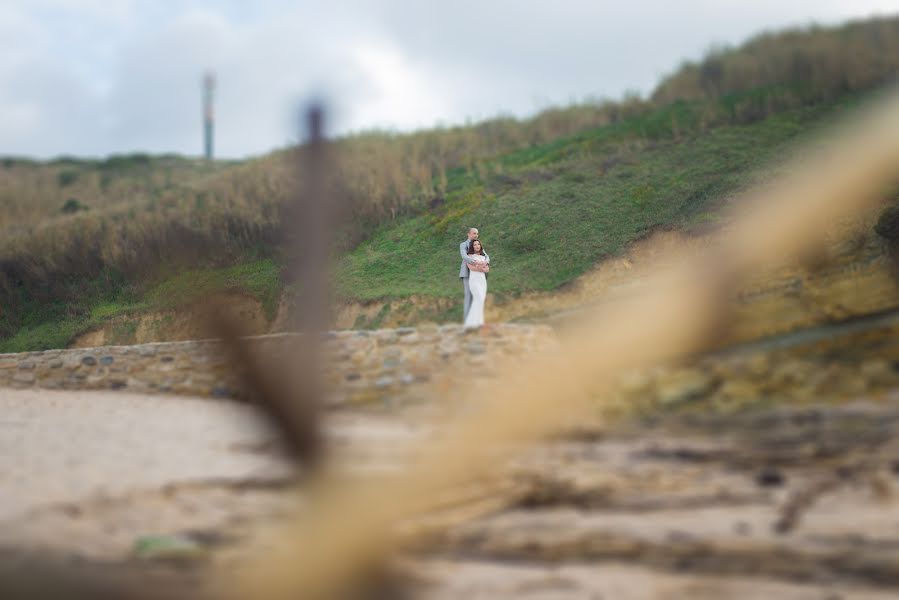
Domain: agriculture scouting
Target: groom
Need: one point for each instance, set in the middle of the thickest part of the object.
(463, 270)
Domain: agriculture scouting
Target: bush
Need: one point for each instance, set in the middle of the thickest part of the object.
(72, 206)
(66, 178)
(118, 162)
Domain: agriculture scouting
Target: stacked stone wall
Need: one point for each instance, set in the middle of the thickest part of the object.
(361, 366)
(849, 360)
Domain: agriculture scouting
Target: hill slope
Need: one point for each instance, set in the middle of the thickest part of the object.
(548, 214)
(552, 195)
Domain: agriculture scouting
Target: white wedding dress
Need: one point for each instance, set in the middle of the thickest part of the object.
(477, 284)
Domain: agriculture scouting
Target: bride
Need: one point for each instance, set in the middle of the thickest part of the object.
(477, 282)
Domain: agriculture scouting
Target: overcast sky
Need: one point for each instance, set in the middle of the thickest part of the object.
(95, 77)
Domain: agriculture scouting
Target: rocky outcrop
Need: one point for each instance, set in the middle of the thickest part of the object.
(852, 359)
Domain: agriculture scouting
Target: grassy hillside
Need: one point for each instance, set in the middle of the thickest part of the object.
(84, 241)
(548, 214)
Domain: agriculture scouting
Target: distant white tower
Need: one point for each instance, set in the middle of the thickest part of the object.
(208, 115)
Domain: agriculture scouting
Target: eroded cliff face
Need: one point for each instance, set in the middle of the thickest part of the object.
(189, 323)
(858, 280)
(854, 276)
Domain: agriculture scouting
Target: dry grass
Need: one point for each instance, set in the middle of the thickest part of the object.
(798, 65)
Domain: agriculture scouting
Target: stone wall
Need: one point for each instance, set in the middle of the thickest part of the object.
(362, 366)
(857, 358)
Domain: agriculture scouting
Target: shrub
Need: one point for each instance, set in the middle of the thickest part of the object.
(73, 205)
(66, 178)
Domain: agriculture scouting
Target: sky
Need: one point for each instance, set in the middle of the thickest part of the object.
(100, 77)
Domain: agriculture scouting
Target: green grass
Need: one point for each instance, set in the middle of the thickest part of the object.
(55, 326)
(51, 334)
(259, 279)
(549, 213)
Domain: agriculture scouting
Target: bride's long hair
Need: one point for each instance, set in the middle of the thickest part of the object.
(471, 248)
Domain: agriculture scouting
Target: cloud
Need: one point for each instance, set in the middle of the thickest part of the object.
(96, 77)
(397, 93)
(34, 113)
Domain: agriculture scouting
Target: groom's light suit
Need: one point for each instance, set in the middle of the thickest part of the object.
(463, 274)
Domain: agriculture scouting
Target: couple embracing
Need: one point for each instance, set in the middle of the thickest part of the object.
(473, 272)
